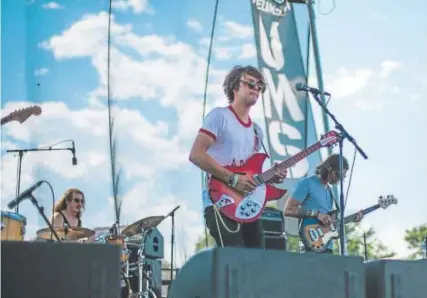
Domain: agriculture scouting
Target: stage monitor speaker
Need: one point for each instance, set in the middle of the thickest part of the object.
(396, 279)
(241, 273)
(154, 245)
(66, 270)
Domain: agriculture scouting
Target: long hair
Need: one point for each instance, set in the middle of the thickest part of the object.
(66, 197)
(232, 79)
(332, 163)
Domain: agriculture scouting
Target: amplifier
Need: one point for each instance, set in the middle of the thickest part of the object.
(273, 221)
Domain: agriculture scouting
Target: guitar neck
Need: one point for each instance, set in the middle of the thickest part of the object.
(350, 218)
(5, 120)
(269, 174)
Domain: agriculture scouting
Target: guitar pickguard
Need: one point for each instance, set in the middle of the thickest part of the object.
(251, 205)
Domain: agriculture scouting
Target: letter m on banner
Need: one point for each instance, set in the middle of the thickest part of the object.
(288, 115)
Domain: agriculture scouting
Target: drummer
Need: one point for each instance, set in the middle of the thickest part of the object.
(68, 210)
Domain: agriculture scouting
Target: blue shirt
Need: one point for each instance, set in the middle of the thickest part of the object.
(313, 195)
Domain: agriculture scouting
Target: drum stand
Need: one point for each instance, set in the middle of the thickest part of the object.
(144, 272)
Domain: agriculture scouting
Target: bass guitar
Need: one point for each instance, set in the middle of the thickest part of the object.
(21, 115)
(317, 236)
(248, 208)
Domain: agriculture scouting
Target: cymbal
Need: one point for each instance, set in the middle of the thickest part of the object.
(142, 224)
(72, 233)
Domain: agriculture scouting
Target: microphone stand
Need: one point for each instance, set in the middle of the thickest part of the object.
(172, 215)
(41, 211)
(21, 154)
(343, 135)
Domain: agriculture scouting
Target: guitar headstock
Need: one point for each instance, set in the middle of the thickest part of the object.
(22, 115)
(386, 201)
(329, 139)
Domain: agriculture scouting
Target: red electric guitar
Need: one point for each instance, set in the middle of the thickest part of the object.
(244, 209)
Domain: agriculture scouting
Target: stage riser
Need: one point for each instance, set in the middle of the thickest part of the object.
(52, 270)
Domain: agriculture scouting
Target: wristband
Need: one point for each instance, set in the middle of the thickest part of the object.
(312, 213)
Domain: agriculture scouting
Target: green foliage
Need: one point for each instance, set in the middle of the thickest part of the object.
(201, 243)
(414, 238)
(356, 238)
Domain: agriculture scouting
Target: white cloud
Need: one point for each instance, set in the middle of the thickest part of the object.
(388, 66)
(237, 30)
(195, 25)
(41, 71)
(223, 53)
(349, 83)
(137, 6)
(52, 5)
(138, 204)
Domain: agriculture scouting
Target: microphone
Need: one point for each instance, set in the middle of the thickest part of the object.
(24, 195)
(73, 150)
(303, 87)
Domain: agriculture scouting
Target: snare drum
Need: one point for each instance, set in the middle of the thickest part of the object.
(12, 226)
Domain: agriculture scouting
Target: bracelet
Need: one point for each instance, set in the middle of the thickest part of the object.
(235, 181)
(231, 179)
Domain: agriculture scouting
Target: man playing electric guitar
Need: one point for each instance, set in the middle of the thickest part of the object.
(312, 196)
(229, 137)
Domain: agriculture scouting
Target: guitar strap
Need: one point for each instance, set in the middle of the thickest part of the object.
(260, 139)
(337, 206)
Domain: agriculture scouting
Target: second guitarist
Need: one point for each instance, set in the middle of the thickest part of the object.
(229, 137)
(312, 196)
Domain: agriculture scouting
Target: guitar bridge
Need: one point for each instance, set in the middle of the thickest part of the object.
(258, 180)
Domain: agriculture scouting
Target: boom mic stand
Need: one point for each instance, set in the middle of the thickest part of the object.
(41, 211)
(344, 135)
(21, 154)
(172, 215)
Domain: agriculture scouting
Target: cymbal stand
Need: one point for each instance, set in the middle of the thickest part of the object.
(144, 288)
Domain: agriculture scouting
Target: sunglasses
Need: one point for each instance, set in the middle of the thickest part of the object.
(78, 201)
(258, 86)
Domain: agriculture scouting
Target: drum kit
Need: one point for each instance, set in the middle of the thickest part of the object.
(13, 228)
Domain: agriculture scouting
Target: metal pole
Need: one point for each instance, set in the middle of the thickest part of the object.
(319, 76)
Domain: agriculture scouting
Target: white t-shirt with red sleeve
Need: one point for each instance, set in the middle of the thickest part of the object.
(235, 141)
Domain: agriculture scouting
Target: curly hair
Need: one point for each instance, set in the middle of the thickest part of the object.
(332, 162)
(232, 79)
(67, 196)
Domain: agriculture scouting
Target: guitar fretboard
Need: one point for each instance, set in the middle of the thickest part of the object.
(269, 174)
(349, 218)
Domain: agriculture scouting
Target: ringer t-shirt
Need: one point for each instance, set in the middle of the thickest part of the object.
(235, 141)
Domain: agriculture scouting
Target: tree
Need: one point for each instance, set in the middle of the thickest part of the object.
(414, 238)
(201, 243)
(356, 243)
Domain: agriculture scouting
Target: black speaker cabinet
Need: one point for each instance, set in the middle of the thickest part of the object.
(273, 241)
(66, 270)
(396, 279)
(242, 273)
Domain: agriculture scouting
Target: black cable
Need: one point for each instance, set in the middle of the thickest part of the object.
(351, 175)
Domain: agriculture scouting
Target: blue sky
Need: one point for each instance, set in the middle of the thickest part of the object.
(372, 60)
